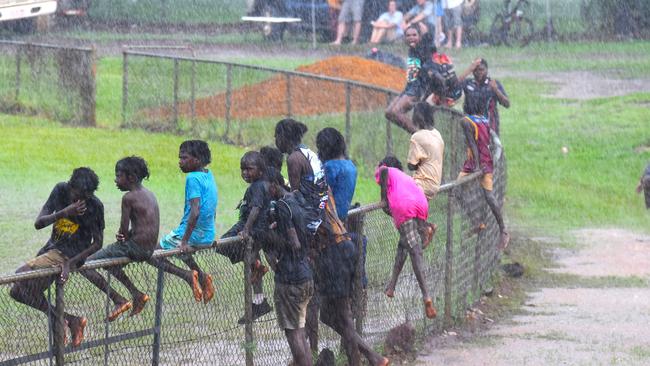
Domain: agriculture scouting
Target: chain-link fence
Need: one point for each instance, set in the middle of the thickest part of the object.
(174, 329)
(49, 80)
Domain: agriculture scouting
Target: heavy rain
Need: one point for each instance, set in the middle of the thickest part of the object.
(220, 182)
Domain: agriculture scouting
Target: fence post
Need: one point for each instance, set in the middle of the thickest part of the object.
(107, 309)
(228, 98)
(125, 85)
(160, 285)
(248, 303)
(359, 301)
(288, 77)
(193, 89)
(175, 103)
(389, 134)
(88, 89)
(59, 324)
(348, 110)
(449, 246)
(18, 62)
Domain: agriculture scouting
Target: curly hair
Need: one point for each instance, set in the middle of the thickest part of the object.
(198, 149)
(330, 144)
(272, 157)
(133, 165)
(84, 179)
(290, 130)
(423, 115)
(391, 161)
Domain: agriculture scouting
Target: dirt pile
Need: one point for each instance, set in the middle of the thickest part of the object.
(308, 96)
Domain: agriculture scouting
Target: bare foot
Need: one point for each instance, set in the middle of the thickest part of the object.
(138, 304)
(390, 292)
(504, 241)
(118, 310)
(430, 232)
(77, 326)
(208, 289)
(196, 287)
(429, 309)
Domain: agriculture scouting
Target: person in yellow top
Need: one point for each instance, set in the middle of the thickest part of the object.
(426, 151)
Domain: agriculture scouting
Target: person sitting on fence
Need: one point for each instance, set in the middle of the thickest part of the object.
(408, 206)
(426, 151)
(479, 125)
(77, 219)
(253, 224)
(482, 93)
(398, 109)
(294, 284)
(197, 225)
(388, 27)
(136, 237)
(644, 185)
(273, 160)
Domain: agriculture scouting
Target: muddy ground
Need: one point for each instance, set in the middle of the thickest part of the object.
(600, 317)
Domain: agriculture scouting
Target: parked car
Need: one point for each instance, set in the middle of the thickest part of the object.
(300, 9)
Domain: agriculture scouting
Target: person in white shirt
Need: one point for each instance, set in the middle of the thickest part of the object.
(388, 27)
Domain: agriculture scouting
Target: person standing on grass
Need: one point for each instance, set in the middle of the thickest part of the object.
(294, 284)
(77, 219)
(454, 22)
(398, 109)
(406, 204)
(253, 224)
(351, 12)
(136, 237)
(481, 95)
(197, 225)
(644, 185)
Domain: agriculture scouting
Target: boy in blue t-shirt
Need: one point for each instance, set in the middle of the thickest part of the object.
(197, 225)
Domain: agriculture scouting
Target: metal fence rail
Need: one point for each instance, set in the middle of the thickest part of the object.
(50, 80)
(174, 329)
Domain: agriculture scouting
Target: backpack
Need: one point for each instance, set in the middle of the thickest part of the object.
(441, 80)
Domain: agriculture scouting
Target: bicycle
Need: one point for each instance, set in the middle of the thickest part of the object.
(511, 27)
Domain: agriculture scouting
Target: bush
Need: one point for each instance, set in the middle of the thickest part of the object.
(617, 17)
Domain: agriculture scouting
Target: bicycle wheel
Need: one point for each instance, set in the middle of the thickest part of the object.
(521, 32)
(497, 31)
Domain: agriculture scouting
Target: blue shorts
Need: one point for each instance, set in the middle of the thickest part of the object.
(173, 241)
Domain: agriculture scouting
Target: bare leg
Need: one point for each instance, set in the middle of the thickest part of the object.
(340, 33)
(377, 35)
(416, 261)
(397, 112)
(459, 37)
(494, 207)
(438, 31)
(398, 264)
(356, 30)
(311, 324)
(98, 280)
(299, 347)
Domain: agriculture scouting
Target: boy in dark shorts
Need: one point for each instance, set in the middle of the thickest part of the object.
(77, 219)
(294, 285)
(140, 212)
(197, 225)
(253, 223)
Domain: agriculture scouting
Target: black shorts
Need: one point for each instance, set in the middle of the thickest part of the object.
(335, 267)
(413, 89)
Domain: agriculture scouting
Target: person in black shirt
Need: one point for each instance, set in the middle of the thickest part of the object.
(294, 284)
(77, 219)
(253, 223)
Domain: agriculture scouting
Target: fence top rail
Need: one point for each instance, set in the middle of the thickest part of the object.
(45, 45)
(102, 263)
(269, 69)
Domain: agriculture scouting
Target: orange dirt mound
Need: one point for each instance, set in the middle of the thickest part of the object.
(308, 96)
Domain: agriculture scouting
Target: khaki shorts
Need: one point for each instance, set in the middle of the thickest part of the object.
(291, 304)
(49, 259)
(486, 180)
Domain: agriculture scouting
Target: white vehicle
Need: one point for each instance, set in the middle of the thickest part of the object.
(26, 12)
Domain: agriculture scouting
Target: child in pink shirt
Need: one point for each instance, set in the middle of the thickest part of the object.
(409, 208)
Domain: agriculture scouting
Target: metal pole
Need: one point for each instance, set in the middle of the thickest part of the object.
(193, 89)
(155, 357)
(449, 246)
(125, 85)
(389, 134)
(549, 22)
(18, 61)
(107, 309)
(59, 321)
(228, 98)
(288, 77)
(348, 110)
(356, 226)
(176, 71)
(248, 303)
(50, 323)
(313, 23)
